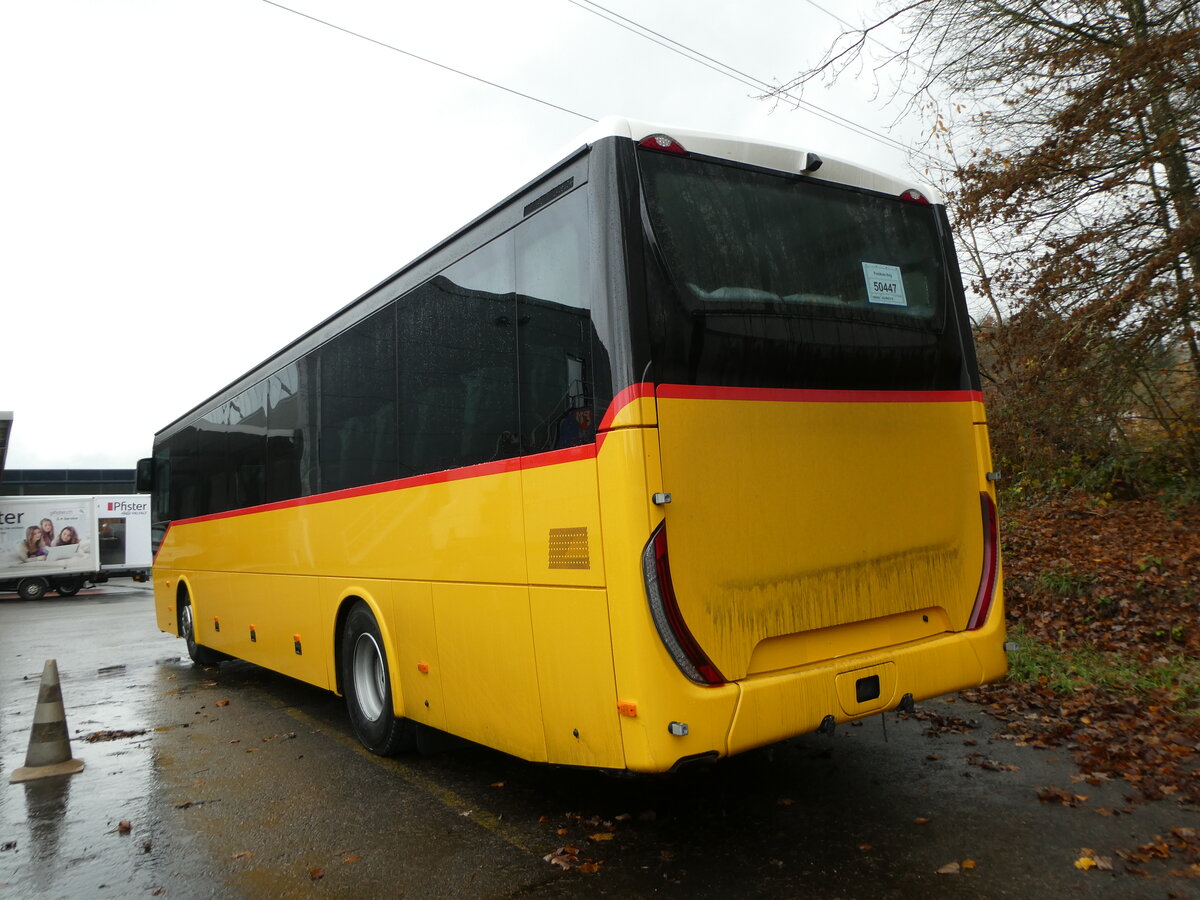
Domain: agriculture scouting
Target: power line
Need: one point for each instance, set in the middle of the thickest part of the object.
(738, 75)
(431, 61)
(840, 20)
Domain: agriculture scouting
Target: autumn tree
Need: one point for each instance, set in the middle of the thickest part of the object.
(1072, 129)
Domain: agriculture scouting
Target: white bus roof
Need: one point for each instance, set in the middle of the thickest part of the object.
(756, 153)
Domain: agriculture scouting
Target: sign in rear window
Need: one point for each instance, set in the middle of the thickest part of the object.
(884, 284)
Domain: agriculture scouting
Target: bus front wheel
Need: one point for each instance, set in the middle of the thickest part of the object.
(367, 686)
(201, 655)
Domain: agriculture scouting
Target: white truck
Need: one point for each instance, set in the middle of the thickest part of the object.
(62, 543)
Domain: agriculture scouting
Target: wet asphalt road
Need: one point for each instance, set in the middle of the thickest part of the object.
(246, 784)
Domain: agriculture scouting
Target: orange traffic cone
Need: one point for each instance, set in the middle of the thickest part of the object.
(49, 744)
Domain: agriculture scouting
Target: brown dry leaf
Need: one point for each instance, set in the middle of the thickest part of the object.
(666, 855)
(1085, 863)
(564, 857)
(351, 859)
(601, 836)
(1058, 795)
(968, 863)
(561, 831)
(949, 869)
(922, 820)
(497, 784)
(222, 703)
(589, 868)
(124, 826)
(244, 854)
(316, 873)
(866, 846)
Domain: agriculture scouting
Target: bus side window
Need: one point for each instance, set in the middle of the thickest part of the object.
(557, 339)
(457, 364)
(357, 372)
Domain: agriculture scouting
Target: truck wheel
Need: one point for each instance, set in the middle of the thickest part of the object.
(201, 655)
(367, 687)
(68, 587)
(32, 588)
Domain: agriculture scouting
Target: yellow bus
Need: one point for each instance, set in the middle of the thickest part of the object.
(678, 451)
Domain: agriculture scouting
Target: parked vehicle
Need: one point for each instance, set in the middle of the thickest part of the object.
(63, 543)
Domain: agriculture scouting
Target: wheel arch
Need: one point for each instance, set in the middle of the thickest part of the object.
(346, 601)
(183, 589)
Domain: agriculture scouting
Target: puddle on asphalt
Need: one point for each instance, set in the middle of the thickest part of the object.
(64, 834)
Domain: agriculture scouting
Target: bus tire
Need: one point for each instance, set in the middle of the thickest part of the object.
(200, 655)
(32, 588)
(366, 684)
(68, 587)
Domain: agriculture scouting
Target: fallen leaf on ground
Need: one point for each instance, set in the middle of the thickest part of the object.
(222, 703)
(316, 874)
(949, 869)
(1058, 795)
(124, 826)
(602, 836)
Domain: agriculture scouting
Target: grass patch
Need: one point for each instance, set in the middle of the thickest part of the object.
(1070, 670)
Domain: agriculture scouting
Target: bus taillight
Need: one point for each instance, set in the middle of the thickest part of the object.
(664, 609)
(991, 564)
(912, 195)
(663, 142)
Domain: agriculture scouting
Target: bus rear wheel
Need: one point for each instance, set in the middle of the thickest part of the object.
(200, 655)
(32, 588)
(367, 686)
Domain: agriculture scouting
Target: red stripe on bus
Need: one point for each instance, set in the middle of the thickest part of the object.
(795, 395)
(557, 457)
(623, 399)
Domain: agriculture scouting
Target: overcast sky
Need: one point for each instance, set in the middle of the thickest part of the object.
(187, 185)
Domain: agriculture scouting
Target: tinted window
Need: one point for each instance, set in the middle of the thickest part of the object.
(780, 281)
(357, 371)
(246, 446)
(558, 342)
(457, 364)
(291, 432)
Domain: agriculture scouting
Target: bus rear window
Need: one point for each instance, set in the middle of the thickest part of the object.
(776, 280)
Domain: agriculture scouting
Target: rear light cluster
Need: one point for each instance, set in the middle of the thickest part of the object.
(664, 609)
(663, 142)
(912, 195)
(991, 564)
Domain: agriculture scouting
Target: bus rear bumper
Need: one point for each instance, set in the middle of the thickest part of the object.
(778, 705)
